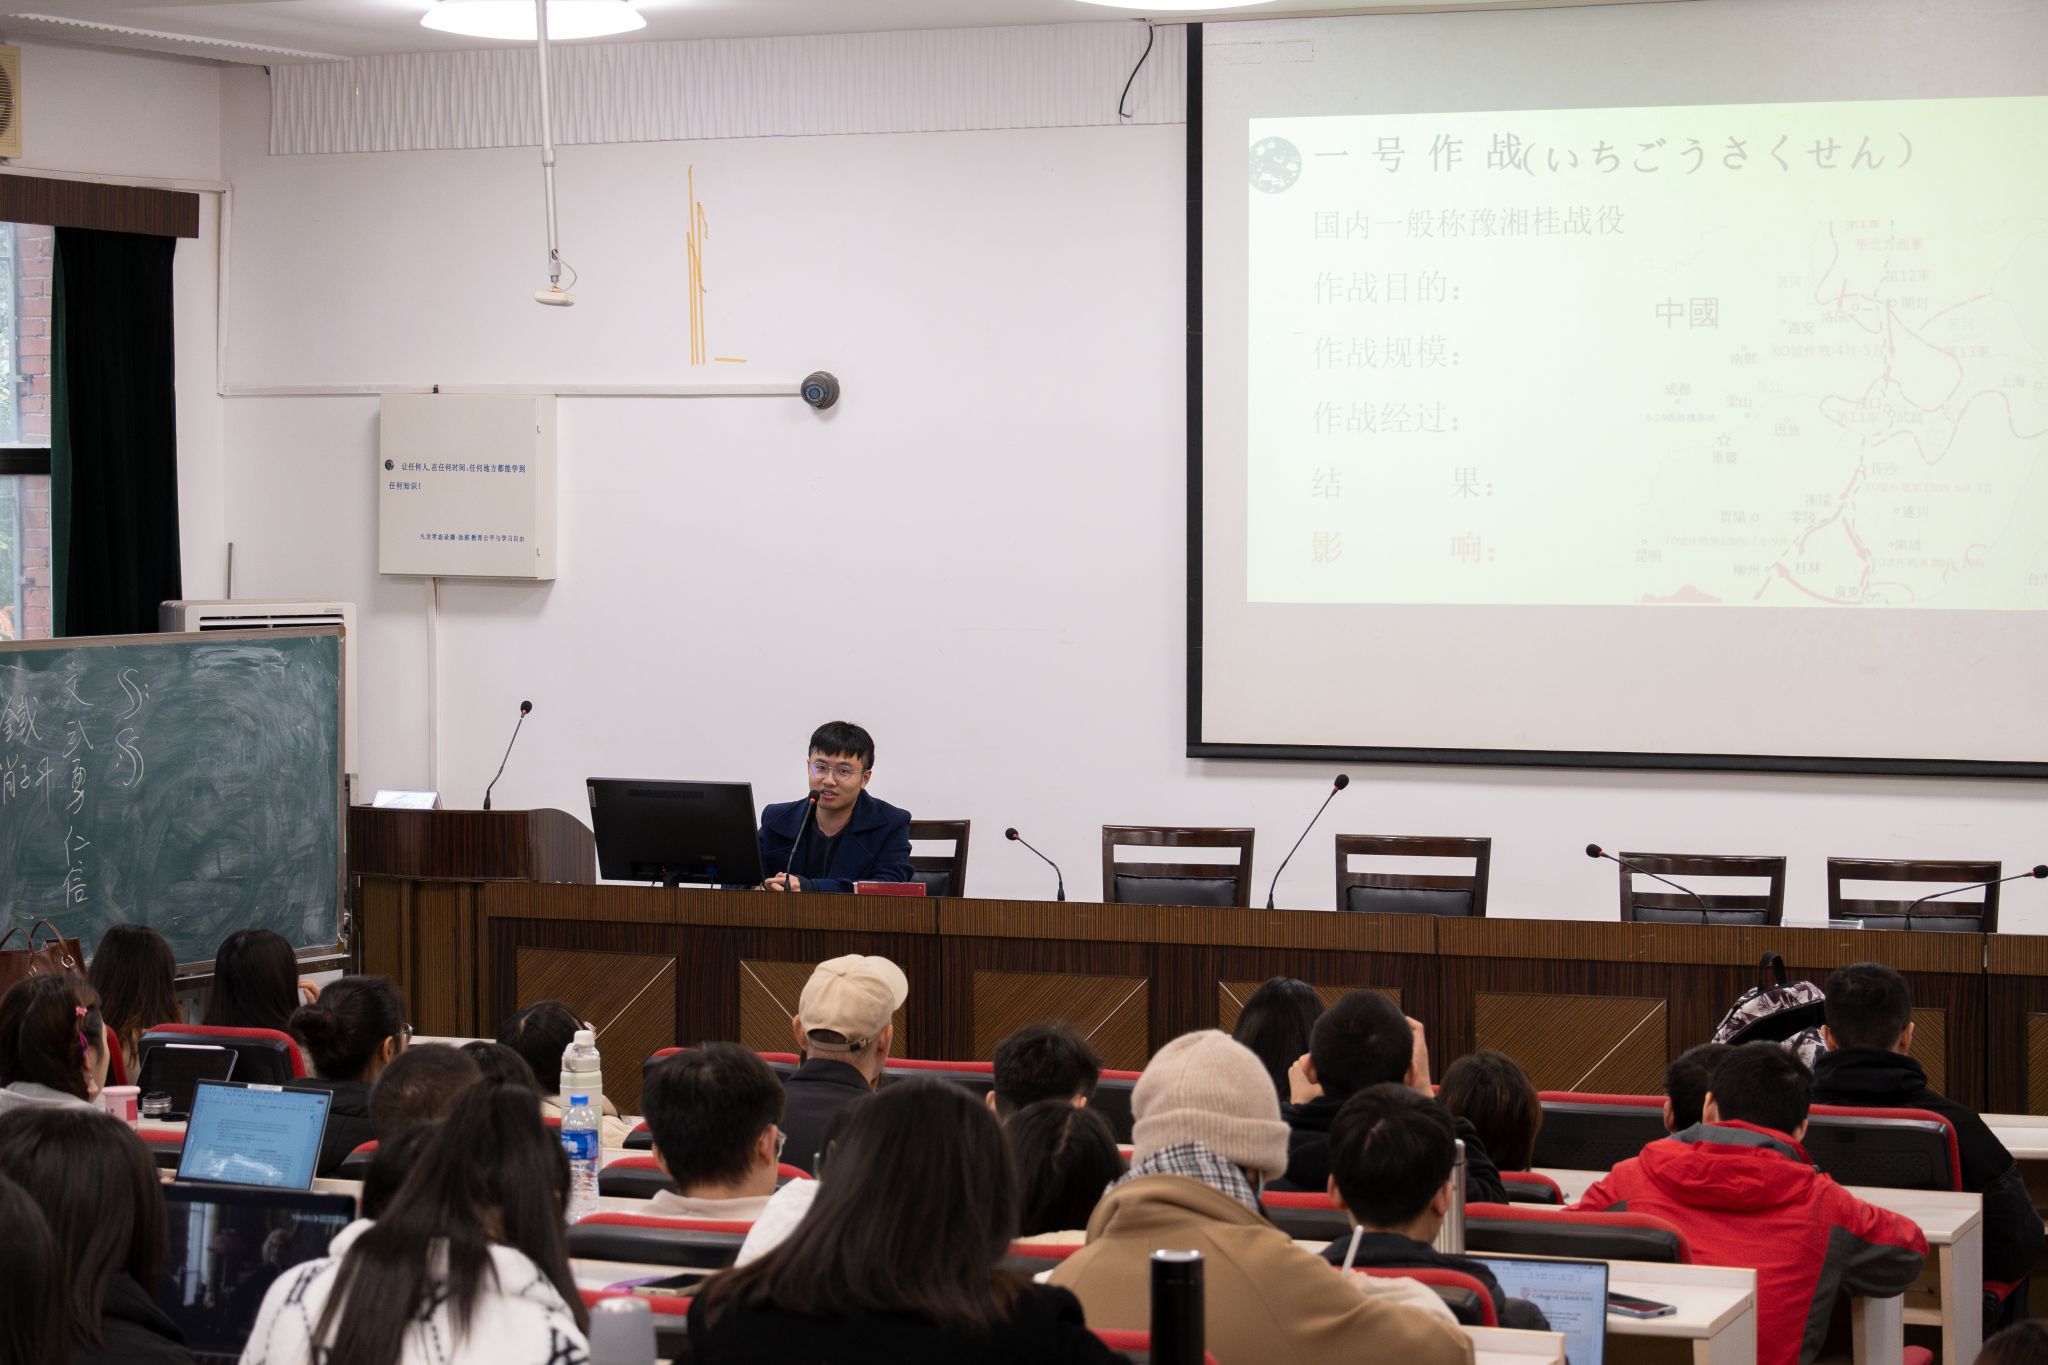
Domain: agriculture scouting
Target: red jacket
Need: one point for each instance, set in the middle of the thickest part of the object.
(1748, 1196)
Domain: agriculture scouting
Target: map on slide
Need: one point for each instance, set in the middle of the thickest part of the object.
(1778, 355)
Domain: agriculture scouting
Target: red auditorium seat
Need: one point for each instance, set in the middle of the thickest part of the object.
(1468, 1299)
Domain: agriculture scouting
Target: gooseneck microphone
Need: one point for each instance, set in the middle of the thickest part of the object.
(1343, 781)
(2038, 870)
(525, 710)
(1012, 835)
(1595, 851)
(810, 809)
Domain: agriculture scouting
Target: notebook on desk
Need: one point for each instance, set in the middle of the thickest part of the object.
(225, 1245)
(1572, 1295)
(254, 1135)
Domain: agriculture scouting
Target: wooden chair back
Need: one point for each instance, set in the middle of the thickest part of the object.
(1413, 893)
(1176, 883)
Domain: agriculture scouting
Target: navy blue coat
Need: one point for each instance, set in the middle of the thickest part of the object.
(874, 846)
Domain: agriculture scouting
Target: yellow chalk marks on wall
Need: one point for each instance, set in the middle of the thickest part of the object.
(693, 241)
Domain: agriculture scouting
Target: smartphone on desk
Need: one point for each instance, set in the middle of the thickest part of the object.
(1629, 1306)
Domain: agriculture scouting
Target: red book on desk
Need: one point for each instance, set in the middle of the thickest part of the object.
(888, 888)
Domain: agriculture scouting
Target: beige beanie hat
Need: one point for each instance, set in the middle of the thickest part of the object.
(1206, 1087)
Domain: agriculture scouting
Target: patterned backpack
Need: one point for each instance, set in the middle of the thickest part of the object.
(1776, 1011)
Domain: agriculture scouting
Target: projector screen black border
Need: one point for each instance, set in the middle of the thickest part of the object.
(1197, 747)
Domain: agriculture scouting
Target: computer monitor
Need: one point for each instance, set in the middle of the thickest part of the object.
(1572, 1295)
(254, 1135)
(673, 832)
(223, 1246)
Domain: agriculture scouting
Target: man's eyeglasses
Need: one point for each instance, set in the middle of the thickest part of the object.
(845, 772)
(781, 1141)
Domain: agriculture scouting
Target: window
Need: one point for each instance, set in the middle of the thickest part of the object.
(27, 264)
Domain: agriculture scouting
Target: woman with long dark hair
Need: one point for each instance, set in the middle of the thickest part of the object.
(97, 1188)
(53, 1045)
(351, 1032)
(1066, 1157)
(466, 1265)
(1492, 1092)
(898, 1261)
(255, 982)
(136, 974)
(32, 1325)
(1275, 1024)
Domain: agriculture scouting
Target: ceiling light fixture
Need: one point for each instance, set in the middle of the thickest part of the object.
(514, 21)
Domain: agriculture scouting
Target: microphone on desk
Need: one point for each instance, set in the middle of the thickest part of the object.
(1343, 781)
(2038, 870)
(1595, 851)
(525, 709)
(1012, 835)
(810, 809)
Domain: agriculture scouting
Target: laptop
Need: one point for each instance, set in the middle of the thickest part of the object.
(176, 1069)
(224, 1246)
(254, 1135)
(1572, 1295)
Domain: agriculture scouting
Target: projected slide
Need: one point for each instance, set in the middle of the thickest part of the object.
(1742, 355)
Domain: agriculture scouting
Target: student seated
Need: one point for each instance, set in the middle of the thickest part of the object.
(1686, 1083)
(1365, 1040)
(1042, 1062)
(53, 1045)
(849, 836)
(467, 1265)
(899, 1262)
(1868, 1032)
(96, 1185)
(396, 1156)
(540, 1034)
(1392, 1154)
(501, 1065)
(1208, 1131)
(714, 1115)
(1276, 1023)
(256, 982)
(351, 1033)
(1066, 1157)
(843, 1025)
(2023, 1343)
(136, 974)
(420, 1085)
(1740, 1187)
(33, 1286)
(1490, 1091)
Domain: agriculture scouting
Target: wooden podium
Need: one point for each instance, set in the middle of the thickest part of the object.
(415, 875)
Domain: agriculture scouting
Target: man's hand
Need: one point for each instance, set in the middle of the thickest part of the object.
(1418, 1065)
(783, 881)
(1300, 1089)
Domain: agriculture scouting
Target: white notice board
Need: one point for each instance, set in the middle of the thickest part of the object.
(466, 486)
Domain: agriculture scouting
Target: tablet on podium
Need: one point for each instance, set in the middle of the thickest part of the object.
(675, 832)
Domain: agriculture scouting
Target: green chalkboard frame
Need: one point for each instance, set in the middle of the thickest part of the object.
(305, 952)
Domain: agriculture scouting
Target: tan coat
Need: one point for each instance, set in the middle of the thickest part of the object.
(1269, 1302)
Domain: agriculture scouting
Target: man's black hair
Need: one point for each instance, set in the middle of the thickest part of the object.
(1869, 1005)
(421, 1083)
(1763, 1084)
(1688, 1079)
(844, 739)
(1043, 1063)
(1391, 1150)
(1362, 1040)
(706, 1109)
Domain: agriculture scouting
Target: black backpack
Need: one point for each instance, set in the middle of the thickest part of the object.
(1777, 1011)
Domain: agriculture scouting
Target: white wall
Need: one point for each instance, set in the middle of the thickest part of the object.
(979, 555)
(157, 118)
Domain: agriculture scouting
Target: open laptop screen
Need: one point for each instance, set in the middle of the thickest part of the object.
(1572, 1295)
(223, 1247)
(254, 1135)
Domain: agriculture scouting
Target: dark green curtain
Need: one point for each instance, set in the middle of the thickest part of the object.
(114, 433)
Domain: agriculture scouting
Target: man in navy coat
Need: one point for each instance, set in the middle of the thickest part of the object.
(850, 837)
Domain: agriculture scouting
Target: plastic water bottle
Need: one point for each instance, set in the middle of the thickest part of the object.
(582, 1070)
(580, 1142)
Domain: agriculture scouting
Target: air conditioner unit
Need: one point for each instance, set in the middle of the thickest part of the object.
(10, 102)
(283, 613)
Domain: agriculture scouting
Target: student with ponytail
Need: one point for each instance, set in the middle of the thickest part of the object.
(351, 1033)
(466, 1265)
(53, 1045)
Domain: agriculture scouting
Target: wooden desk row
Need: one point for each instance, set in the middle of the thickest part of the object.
(1583, 1005)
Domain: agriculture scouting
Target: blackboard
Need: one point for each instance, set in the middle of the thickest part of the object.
(187, 782)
